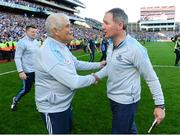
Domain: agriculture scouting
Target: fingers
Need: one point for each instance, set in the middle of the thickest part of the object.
(97, 79)
(22, 76)
(159, 115)
(103, 63)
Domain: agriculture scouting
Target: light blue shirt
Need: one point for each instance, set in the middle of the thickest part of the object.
(25, 53)
(124, 66)
(56, 77)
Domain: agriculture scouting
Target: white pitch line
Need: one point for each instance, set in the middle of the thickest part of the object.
(165, 66)
(15, 70)
(82, 55)
(158, 66)
(8, 72)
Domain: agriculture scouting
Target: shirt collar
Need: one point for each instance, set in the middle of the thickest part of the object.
(121, 43)
(29, 38)
(60, 44)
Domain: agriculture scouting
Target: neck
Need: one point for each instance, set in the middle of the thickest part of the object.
(119, 38)
(30, 37)
(59, 40)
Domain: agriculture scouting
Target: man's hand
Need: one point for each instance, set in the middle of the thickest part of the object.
(97, 79)
(159, 114)
(102, 63)
(22, 76)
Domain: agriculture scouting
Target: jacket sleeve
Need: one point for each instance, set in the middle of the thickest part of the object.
(69, 78)
(82, 65)
(18, 56)
(142, 62)
(102, 73)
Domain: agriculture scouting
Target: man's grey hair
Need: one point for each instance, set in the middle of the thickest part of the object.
(119, 16)
(55, 20)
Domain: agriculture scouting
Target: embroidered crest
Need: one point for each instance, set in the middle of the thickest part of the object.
(119, 58)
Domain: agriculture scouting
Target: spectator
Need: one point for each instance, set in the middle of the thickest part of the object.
(104, 46)
(177, 50)
(91, 47)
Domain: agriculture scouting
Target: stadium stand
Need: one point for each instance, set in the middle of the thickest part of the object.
(155, 24)
(16, 14)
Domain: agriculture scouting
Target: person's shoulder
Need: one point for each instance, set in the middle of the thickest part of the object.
(21, 41)
(134, 46)
(36, 42)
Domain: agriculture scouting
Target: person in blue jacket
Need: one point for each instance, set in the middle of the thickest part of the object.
(56, 75)
(24, 59)
(127, 60)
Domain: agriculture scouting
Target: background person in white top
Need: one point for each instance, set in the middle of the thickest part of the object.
(24, 59)
(56, 75)
(127, 59)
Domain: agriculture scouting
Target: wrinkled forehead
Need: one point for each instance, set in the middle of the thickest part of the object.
(64, 21)
(108, 17)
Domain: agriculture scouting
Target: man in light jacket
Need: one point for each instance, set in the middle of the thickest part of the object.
(56, 75)
(127, 60)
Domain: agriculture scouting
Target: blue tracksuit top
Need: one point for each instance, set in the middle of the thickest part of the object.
(56, 77)
(25, 54)
(125, 65)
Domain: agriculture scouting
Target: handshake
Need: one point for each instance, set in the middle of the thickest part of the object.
(102, 64)
(97, 79)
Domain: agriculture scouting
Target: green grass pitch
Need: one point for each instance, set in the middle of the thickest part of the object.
(92, 114)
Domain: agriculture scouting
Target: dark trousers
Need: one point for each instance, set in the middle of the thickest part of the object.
(27, 84)
(177, 57)
(58, 123)
(123, 116)
(92, 56)
(84, 48)
(103, 57)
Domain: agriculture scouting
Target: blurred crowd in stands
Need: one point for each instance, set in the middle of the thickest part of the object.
(39, 7)
(12, 28)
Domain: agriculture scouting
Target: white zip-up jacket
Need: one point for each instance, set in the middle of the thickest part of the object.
(25, 53)
(125, 65)
(56, 77)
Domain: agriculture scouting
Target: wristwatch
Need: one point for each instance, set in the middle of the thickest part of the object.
(161, 106)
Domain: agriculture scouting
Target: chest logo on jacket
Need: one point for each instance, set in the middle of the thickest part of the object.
(119, 58)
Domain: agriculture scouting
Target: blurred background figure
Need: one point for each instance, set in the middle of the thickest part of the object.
(91, 48)
(177, 50)
(104, 46)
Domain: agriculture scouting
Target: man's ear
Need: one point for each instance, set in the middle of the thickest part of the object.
(54, 30)
(120, 26)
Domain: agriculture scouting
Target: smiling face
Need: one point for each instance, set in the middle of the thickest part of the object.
(58, 27)
(110, 27)
(64, 33)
